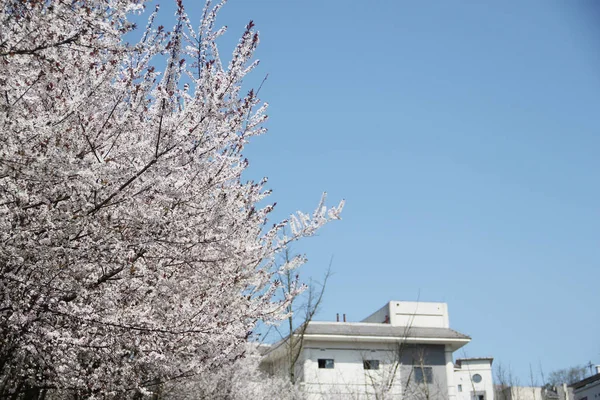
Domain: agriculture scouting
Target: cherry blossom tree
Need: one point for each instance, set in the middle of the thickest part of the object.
(132, 252)
(241, 380)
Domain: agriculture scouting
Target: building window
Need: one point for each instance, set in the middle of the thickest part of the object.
(460, 388)
(371, 364)
(476, 378)
(478, 395)
(326, 363)
(423, 374)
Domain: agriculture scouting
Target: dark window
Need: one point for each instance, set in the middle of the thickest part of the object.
(477, 378)
(326, 363)
(423, 375)
(460, 388)
(481, 397)
(371, 364)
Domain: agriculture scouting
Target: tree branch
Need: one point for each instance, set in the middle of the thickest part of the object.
(123, 186)
(71, 39)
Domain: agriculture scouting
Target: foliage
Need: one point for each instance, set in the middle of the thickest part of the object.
(131, 250)
(567, 375)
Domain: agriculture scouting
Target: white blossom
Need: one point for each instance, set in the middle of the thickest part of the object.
(131, 250)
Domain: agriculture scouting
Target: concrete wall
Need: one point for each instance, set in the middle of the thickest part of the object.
(565, 392)
(408, 313)
(348, 379)
(520, 393)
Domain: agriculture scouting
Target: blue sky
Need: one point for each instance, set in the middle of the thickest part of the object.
(464, 137)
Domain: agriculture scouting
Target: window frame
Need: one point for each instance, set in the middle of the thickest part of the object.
(325, 363)
(425, 374)
(371, 364)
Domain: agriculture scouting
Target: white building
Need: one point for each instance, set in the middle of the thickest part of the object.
(589, 388)
(402, 351)
(473, 378)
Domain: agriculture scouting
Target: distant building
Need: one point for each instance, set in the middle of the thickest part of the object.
(561, 392)
(589, 388)
(404, 350)
(525, 393)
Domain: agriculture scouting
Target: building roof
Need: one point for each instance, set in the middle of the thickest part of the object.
(585, 382)
(375, 332)
(459, 361)
(381, 330)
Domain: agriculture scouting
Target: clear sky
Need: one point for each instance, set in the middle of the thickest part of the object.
(464, 136)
